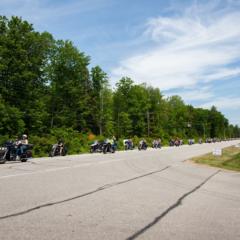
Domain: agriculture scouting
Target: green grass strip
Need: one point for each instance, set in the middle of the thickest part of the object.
(230, 159)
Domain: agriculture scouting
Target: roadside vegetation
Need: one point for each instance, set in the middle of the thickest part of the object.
(49, 91)
(230, 159)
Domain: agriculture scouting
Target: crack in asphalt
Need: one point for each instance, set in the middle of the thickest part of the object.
(104, 187)
(171, 208)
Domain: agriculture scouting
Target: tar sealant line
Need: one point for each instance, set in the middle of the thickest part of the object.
(102, 188)
(171, 208)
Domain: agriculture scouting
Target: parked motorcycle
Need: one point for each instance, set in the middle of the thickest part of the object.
(142, 145)
(128, 144)
(156, 144)
(191, 141)
(96, 147)
(11, 152)
(108, 147)
(171, 143)
(177, 143)
(58, 150)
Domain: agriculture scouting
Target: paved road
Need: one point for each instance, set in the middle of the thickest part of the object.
(153, 194)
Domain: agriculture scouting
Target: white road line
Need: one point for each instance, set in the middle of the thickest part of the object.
(62, 168)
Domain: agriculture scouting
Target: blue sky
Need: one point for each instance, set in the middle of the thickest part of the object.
(185, 47)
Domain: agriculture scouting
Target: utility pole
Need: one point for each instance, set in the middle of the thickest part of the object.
(148, 123)
(101, 112)
(204, 131)
(118, 125)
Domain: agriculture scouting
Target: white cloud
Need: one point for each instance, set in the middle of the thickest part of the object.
(187, 50)
(43, 10)
(223, 103)
(194, 94)
(223, 74)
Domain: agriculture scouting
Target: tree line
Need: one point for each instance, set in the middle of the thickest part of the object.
(47, 84)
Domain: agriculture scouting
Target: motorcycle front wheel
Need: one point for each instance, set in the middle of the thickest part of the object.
(2, 161)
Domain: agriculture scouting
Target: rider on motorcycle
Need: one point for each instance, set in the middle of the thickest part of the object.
(156, 143)
(142, 144)
(128, 144)
(21, 145)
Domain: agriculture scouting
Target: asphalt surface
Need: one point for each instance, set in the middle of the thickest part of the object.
(153, 194)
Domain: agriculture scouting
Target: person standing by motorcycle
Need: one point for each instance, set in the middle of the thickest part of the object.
(60, 145)
(160, 142)
(114, 143)
(126, 144)
(154, 143)
(131, 146)
(17, 145)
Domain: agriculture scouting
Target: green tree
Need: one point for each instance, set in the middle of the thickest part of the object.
(23, 54)
(69, 87)
(157, 112)
(11, 122)
(138, 108)
(121, 98)
(216, 122)
(101, 107)
(178, 117)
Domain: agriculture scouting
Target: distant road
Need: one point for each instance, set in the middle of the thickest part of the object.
(153, 194)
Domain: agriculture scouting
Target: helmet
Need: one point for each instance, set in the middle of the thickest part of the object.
(24, 136)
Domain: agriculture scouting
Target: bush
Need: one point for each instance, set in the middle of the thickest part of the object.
(42, 145)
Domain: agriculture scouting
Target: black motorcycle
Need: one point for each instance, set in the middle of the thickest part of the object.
(142, 146)
(177, 143)
(128, 145)
(108, 147)
(191, 141)
(156, 144)
(96, 147)
(56, 150)
(12, 152)
(171, 143)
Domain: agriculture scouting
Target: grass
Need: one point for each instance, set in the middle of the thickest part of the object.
(230, 159)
